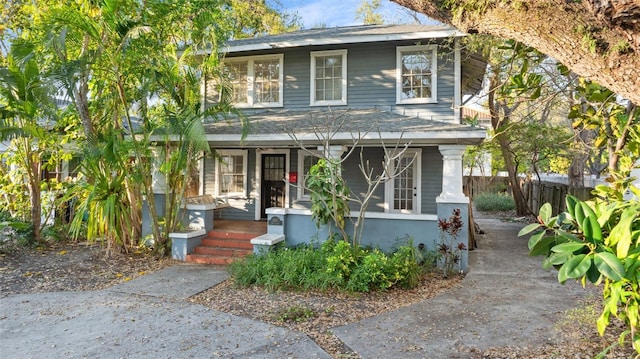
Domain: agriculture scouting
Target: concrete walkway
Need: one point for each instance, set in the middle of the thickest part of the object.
(506, 299)
(144, 318)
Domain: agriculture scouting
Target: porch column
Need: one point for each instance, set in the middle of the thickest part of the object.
(452, 174)
(332, 152)
(453, 198)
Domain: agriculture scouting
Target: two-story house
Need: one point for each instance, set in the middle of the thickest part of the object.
(384, 84)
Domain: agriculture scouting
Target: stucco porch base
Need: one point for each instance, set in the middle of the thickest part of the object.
(385, 231)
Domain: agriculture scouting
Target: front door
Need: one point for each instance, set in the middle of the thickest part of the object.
(404, 190)
(273, 175)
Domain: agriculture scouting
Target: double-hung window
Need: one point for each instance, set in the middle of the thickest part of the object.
(306, 159)
(255, 81)
(416, 77)
(328, 78)
(231, 173)
(402, 193)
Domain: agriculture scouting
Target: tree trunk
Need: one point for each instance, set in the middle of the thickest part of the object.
(80, 99)
(499, 123)
(596, 39)
(578, 161)
(580, 151)
(32, 165)
(520, 200)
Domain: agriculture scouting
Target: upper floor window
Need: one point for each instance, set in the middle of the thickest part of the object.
(329, 78)
(255, 81)
(416, 77)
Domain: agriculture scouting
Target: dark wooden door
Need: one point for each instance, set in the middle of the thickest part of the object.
(273, 174)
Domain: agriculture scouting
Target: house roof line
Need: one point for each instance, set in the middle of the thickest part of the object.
(371, 138)
(341, 136)
(231, 47)
(339, 35)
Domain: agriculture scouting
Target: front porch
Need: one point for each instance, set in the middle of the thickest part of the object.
(437, 193)
(241, 226)
(226, 242)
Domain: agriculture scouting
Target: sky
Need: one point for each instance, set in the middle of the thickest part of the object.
(332, 13)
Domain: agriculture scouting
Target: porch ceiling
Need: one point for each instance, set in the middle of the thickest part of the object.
(473, 68)
(371, 126)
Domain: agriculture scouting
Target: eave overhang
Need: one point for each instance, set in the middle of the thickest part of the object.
(368, 127)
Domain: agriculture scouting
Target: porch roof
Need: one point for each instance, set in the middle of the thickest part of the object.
(371, 126)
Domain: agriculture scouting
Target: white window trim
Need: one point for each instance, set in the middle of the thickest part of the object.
(201, 174)
(245, 157)
(258, 178)
(343, 100)
(250, 60)
(434, 73)
(389, 185)
(301, 155)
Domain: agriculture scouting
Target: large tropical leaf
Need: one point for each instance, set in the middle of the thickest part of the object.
(543, 246)
(528, 229)
(575, 267)
(569, 247)
(609, 265)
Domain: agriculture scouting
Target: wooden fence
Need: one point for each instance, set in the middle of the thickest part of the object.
(474, 185)
(536, 192)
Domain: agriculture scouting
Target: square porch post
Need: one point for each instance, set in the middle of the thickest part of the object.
(452, 196)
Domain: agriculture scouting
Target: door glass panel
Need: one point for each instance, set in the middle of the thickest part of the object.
(404, 185)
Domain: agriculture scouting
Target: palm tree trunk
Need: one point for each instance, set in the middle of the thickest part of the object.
(32, 165)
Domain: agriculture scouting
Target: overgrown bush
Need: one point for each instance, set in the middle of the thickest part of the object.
(334, 264)
(493, 202)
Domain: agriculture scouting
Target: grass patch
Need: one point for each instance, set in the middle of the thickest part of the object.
(294, 314)
(492, 202)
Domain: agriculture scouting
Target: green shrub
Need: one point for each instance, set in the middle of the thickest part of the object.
(15, 234)
(341, 260)
(335, 264)
(406, 271)
(370, 273)
(492, 202)
(302, 267)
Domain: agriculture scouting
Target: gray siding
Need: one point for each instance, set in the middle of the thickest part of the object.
(431, 182)
(385, 234)
(355, 178)
(431, 179)
(371, 79)
(297, 67)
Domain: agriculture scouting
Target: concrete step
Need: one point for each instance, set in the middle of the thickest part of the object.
(224, 234)
(208, 259)
(228, 243)
(222, 248)
(221, 251)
